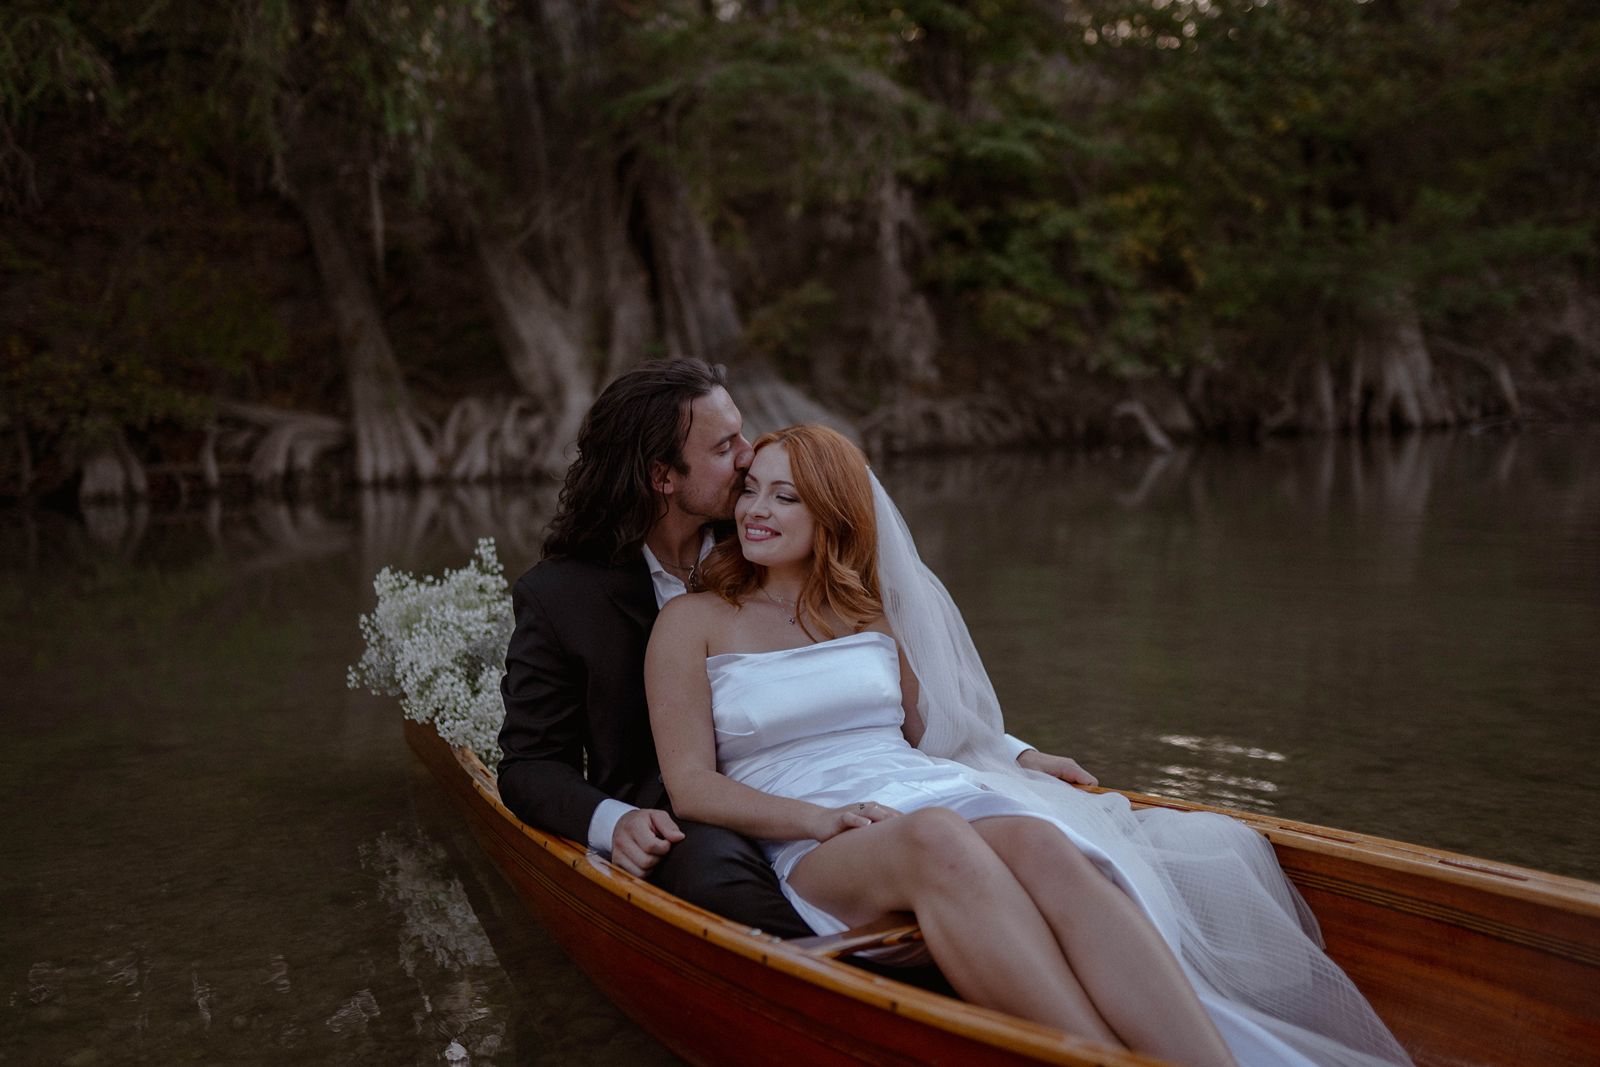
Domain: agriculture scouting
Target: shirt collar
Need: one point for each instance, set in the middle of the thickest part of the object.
(650, 561)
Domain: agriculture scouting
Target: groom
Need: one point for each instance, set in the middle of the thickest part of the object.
(661, 458)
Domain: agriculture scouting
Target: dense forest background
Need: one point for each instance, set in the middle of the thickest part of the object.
(261, 244)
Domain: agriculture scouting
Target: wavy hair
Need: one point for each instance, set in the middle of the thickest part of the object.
(608, 502)
(830, 478)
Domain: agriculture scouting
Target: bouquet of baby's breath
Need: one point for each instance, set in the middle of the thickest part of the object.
(438, 644)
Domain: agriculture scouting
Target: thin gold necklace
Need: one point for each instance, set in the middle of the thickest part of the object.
(693, 569)
(784, 604)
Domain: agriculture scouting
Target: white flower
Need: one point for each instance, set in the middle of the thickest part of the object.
(438, 644)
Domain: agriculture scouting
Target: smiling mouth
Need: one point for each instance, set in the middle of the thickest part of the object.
(759, 533)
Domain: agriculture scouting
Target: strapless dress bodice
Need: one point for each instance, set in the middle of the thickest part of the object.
(822, 723)
(764, 702)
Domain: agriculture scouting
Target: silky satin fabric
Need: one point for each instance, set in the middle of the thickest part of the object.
(822, 723)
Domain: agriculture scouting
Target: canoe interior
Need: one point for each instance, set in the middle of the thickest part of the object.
(1469, 962)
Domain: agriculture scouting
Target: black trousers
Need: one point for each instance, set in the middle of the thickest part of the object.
(725, 872)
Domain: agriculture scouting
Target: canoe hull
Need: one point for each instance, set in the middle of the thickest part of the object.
(713, 993)
(1469, 963)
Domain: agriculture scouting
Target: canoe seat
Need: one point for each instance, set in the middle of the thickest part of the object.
(896, 928)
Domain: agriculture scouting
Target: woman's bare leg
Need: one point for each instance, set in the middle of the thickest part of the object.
(979, 923)
(1119, 956)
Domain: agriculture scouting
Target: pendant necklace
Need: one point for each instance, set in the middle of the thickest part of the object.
(784, 604)
(693, 569)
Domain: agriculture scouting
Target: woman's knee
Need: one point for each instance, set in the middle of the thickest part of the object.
(934, 843)
(1033, 846)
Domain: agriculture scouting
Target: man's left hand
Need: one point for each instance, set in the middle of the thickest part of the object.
(1063, 767)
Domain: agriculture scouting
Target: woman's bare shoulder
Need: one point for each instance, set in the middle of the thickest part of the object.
(699, 612)
(880, 624)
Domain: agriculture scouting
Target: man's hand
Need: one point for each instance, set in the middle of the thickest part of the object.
(641, 838)
(1062, 767)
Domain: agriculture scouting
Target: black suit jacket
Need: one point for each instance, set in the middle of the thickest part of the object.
(577, 729)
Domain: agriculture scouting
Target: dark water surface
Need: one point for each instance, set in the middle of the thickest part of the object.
(211, 851)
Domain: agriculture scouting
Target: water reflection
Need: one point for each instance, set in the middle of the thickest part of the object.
(384, 527)
(1213, 772)
(216, 851)
(1409, 623)
(442, 948)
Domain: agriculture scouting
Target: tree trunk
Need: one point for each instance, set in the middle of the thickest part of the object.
(543, 343)
(698, 313)
(630, 319)
(210, 473)
(1408, 396)
(390, 444)
(569, 298)
(112, 472)
(1325, 410)
(24, 458)
(904, 335)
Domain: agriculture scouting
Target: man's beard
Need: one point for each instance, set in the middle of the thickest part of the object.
(712, 507)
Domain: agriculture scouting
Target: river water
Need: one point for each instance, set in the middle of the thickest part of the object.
(212, 851)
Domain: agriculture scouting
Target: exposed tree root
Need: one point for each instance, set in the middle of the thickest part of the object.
(490, 440)
(1404, 393)
(112, 472)
(282, 445)
(118, 525)
(767, 403)
(1153, 433)
(1492, 365)
(920, 424)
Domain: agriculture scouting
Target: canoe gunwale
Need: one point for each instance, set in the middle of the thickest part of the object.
(1469, 961)
(1502, 879)
(1018, 1038)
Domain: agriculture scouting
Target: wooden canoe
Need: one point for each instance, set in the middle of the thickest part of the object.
(1468, 961)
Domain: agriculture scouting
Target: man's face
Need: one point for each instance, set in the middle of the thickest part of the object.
(717, 456)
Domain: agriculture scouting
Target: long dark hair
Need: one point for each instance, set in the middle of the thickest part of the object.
(608, 503)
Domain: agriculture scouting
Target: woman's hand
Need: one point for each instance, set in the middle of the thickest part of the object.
(830, 822)
(1062, 767)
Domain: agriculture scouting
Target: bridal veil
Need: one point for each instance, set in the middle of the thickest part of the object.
(1210, 884)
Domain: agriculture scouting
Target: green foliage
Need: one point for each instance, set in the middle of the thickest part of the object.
(1329, 156)
(1110, 188)
(45, 57)
(786, 329)
(799, 105)
(163, 338)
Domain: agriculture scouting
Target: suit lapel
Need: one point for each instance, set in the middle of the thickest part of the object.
(628, 586)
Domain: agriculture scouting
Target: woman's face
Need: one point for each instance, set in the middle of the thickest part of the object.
(774, 526)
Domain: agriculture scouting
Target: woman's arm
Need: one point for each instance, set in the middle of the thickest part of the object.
(912, 727)
(679, 694)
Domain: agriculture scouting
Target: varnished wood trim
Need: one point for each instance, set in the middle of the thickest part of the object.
(1446, 913)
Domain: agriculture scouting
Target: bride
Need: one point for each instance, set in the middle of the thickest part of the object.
(824, 696)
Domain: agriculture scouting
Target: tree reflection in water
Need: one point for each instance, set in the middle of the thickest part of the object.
(215, 849)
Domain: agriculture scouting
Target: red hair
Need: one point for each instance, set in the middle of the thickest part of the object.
(831, 480)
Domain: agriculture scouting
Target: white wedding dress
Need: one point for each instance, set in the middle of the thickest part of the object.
(822, 723)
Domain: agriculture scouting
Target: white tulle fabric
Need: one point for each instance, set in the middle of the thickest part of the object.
(1212, 886)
